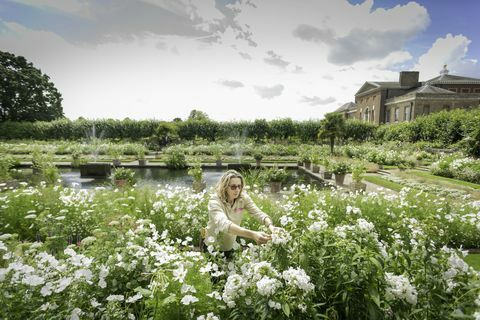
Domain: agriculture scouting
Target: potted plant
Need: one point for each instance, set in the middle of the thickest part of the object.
(276, 177)
(327, 165)
(142, 161)
(196, 173)
(307, 161)
(76, 158)
(340, 169)
(123, 177)
(358, 171)
(217, 153)
(115, 153)
(258, 158)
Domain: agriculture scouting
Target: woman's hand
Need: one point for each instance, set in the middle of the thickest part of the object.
(261, 237)
(272, 228)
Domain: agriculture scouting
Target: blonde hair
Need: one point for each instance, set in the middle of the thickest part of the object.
(224, 182)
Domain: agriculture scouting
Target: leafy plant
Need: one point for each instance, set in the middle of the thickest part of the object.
(176, 159)
(340, 167)
(276, 175)
(358, 170)
(196, 171)
(124, 174)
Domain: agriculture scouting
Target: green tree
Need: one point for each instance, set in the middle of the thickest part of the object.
(25, 93)
(332, 127)
(165, 133)
(198, 115)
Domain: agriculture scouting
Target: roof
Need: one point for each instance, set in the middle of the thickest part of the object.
(429, 89)
(347, 107)
(452, 79)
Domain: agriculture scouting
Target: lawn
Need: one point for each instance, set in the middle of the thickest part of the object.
(382, 182)
(473, 260)
(429, 176)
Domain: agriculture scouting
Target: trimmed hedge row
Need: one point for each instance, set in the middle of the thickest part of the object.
(64, 129)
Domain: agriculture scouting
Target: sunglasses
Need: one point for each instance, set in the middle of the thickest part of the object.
(235, 186)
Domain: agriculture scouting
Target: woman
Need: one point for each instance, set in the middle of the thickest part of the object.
(226, 208)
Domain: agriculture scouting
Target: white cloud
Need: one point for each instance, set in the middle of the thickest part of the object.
(450, 50)
(315, 101)
(231, 83)
(275, 60)
(269, 92)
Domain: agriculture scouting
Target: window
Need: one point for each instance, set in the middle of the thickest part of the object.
(453, 89)
(476, 90)
(387, 116)
(365, 115)
(446, 107)
(426, 109)
(465, 90)
(373, 116)
(407, 114)
(397, 113)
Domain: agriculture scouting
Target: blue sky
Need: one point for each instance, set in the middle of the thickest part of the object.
(234, 59)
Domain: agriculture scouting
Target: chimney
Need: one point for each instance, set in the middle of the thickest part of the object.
(409, 79)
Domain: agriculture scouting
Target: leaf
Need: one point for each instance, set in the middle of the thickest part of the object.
(286, 309)
(376, 263)
(170, 299)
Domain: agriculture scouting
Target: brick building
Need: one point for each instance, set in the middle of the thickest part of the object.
(390, 102)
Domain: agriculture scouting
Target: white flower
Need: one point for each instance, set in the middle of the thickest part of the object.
(63, 284)
(364, 225)
(214, 295)
(30, 216)
(187, 288)
(188, 299)
(33, 280)
(298, 278)
(280, 236)
(5, 236)
(476, 315)
(115, 297)
(399, 287)
(84, 273)
(76, 313)
(88, 241)
(134, 298)
(3, 246)
(274, 305)
(284, 220)
(94, 303)
(267, 286)
(47, 289)
(318, 226)
(210, 316)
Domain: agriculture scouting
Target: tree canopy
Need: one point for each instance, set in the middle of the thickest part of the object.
(332, 127)
(25, 93)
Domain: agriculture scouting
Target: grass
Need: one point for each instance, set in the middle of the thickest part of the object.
(383, 183)
(473, 260)
(430, 176)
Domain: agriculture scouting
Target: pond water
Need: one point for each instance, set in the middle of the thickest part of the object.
(155, 176)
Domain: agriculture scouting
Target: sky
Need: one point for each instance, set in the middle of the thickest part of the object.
(234, 59)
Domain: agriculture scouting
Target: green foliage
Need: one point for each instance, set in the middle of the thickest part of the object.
(358, 170)
(332, 127)
(258, 155)
(124, 174)
(6, 165)
(176, 159)
(196, 171)
(340, 167)
(25, 93)
(358, 130)
(275, 174)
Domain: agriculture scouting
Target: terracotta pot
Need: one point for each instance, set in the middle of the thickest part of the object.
(199, 186)
(116, 162)
(218, 163)
(258, 162)
(339, 178)
(120, 183)
(142, 162)
(275, 187)
(315, 168)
